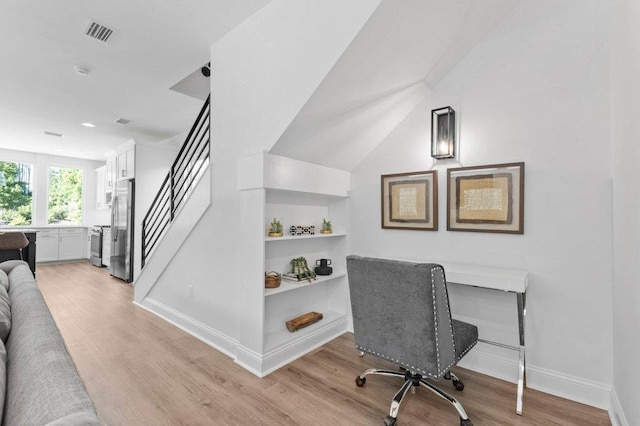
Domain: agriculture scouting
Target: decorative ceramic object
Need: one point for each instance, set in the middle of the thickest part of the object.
(323, 268)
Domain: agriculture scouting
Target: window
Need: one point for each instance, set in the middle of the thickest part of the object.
(65, 196)
(15, 193)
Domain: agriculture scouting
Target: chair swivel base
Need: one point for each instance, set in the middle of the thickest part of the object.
(411, 381)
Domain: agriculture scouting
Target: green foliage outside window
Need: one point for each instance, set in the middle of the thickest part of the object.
(15, 193)
(65, 196)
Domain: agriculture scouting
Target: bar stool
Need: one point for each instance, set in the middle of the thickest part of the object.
(13, 241)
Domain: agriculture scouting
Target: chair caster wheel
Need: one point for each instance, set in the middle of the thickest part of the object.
(465, 422)
(360, 381)
(458, 385)
(389, 421)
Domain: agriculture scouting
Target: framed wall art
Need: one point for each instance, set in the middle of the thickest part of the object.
(486, 198)
(410, 201)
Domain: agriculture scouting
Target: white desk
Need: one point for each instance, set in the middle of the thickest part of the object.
(511, 280)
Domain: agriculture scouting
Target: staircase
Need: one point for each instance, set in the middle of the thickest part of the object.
(187, 169)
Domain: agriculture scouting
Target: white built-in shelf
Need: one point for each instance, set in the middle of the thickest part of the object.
(282, 337)
(292, 285)
(304, 237)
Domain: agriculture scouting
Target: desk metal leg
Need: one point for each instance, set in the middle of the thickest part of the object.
(522, 311)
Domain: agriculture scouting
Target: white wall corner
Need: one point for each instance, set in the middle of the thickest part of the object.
(616, 413)
(249, 360)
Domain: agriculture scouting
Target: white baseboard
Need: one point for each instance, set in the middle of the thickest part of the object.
(505, 367)
(480, 359)
(283, 355)
(616, 414)
(212, 337)
(570, 387)
(260, 365)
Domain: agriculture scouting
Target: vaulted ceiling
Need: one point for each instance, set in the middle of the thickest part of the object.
(403, 51)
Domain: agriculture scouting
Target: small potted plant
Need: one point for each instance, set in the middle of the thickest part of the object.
(326, 227)
(275, 228)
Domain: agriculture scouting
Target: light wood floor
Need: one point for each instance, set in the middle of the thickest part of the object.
(140, 370)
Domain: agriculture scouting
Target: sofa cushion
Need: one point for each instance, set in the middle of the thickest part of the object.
(4, 280)
(3, 376)
(5, 315)
(8, 265)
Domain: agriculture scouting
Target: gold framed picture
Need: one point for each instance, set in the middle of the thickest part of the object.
(486, 198)
(410, 201)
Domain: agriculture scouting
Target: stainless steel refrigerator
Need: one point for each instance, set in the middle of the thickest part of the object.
(121, 260)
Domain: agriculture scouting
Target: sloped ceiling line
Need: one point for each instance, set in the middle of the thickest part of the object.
(360, 100)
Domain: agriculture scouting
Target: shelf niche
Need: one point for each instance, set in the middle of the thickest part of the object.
(298, 193)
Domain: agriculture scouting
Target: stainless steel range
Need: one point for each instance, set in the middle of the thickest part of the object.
(95, 234)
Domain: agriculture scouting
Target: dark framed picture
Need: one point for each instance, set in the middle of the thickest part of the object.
(486, 198)
(410, 201)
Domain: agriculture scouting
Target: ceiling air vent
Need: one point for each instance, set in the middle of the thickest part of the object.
(58, 135)
(98, 31)
(122, 121)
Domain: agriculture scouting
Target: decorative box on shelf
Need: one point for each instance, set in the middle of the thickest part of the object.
(302, 230)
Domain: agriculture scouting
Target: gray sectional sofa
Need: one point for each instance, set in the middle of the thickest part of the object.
(39, 383)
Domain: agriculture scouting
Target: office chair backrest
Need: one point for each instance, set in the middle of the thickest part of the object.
(401, 313)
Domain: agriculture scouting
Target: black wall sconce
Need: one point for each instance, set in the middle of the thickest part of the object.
(443, 133)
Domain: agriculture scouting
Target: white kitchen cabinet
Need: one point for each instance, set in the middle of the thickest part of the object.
(72, 243)
(112, 172)
(55, 244)
(46, 245)
(126, 164)
(120, 166)
(101, 188)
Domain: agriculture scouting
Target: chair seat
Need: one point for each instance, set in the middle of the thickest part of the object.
(466, 336)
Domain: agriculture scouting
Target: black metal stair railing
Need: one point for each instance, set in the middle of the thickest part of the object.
(177, 185)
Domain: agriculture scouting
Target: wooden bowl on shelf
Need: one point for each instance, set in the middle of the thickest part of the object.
(272, 279)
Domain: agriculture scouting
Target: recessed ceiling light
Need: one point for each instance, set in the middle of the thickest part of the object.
(88, 125)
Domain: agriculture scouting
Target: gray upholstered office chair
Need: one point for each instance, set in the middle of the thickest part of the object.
(13, 241)
(401, 314)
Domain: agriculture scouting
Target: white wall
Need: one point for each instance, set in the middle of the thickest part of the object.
(536, 90)
(625, 60)
(40, 170)
(263, 74)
